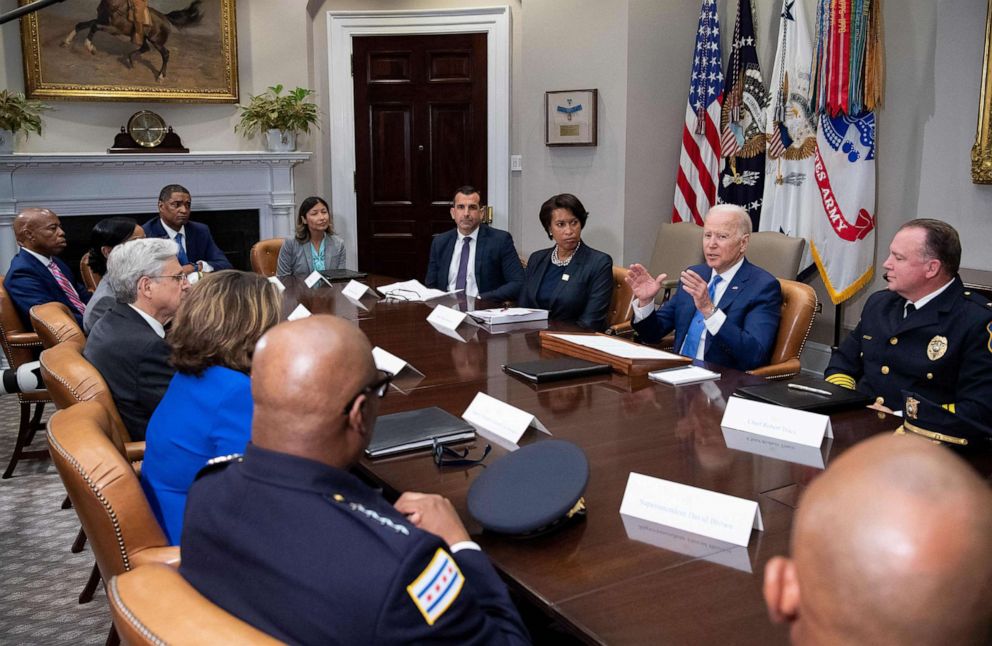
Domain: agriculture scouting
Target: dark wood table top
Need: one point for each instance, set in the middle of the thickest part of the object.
(591, 575)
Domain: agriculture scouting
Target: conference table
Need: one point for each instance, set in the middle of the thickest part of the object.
(606, 578)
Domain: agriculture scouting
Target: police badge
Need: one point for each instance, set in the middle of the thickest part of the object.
(937, 347)
(912, 405)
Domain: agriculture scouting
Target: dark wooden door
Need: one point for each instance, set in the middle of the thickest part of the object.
(420, 133)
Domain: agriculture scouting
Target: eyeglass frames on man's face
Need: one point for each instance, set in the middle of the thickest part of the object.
(379, 388)
(447, 457)
(181, 277)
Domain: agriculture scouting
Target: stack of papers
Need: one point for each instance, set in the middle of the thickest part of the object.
(616, 347)
(411, 290)
(502, 315)
(684, 375)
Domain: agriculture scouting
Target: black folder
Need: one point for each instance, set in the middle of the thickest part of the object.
(416, 429)
(556, 369)
(341, 275)
(779, 393)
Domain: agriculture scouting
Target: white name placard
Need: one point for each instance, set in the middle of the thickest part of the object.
(314, 278)
(355, 290)
(708, 513)
(676, 540)
(810, 456)
(299, 313)
(278, 283)
(499, 421)
(779, 422)
(448, 317)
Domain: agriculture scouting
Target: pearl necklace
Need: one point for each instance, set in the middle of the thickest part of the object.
(563, 263)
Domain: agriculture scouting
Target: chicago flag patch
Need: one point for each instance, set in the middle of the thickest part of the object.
(437, 587)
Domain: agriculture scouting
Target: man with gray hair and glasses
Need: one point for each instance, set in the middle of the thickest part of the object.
(128, 344)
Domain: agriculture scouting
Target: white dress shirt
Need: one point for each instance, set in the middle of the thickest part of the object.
(926, 299)
(172, 233)
(155, 325)
(471, 288)
(715, 321)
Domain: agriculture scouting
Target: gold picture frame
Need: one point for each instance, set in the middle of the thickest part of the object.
(199, 37)
(981, 152)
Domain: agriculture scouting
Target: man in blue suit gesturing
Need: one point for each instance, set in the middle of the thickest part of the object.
(197, 250)
(726, 311)
(35, 275)
(475, 258)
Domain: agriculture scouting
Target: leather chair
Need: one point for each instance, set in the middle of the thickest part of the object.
(54, 324)
(265, 256)
(105, 492)
(71, 380)
(776, 253)
(799, 305)
(153, 605)
(90, 279)
(21, 346)
(620, 310)
(678, 245)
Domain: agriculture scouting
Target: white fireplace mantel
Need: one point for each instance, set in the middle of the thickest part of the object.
(100, 183)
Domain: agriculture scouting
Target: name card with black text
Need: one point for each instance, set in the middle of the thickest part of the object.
(778, 422)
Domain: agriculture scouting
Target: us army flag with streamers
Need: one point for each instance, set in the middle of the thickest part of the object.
(742, 141)
(790, 193)
(843, 241)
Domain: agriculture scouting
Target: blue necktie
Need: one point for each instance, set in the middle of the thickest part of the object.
(462, 276)
(183, 260)
(697, 328)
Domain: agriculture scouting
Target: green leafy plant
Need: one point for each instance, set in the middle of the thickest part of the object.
(272, 110)
(18, 114)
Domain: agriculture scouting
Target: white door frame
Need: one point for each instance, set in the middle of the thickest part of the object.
(342, 25)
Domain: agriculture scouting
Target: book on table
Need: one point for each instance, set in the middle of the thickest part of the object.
(502, 315)
(416, 429)
(556, 369)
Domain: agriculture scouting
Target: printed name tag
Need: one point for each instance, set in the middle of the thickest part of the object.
(355, 289)
(691, 509)
(499, 421)
(447, 317)
(778, 422)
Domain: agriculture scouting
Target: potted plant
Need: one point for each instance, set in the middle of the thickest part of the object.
(280, 117)
(18, 114)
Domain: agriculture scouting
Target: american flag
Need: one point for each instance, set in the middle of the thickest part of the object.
(699, 163)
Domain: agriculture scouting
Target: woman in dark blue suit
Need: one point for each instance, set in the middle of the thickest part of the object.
(573, 281)
(206, 412)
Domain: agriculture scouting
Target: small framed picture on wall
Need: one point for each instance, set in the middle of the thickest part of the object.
(570, 117)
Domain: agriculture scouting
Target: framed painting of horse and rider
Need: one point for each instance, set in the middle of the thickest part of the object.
(132, 50)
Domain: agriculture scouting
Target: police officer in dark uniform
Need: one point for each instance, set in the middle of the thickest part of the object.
(925, 333)
(288, 540)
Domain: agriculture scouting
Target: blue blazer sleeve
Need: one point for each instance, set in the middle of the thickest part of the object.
(748, 340)
(437, 268)
(205, 248)
(502, 275)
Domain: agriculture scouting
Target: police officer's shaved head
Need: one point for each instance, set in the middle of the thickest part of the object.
(891, 545)
(304, 374)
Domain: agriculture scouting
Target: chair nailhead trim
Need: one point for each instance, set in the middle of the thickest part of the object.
(131, 619)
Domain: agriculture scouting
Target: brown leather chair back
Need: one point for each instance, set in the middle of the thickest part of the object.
(265, 256)
(154, 605)
(90, 279)
(776, 253)
(71, 379)
(798, 310)
(122, 530)
(620, 301)
(54, 324)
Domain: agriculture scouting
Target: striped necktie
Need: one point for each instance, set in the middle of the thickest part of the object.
(67, 287)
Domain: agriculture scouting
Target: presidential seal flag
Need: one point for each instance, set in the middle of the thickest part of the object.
(695, 185)
(790, 197)
(742, 140)
(843, 243)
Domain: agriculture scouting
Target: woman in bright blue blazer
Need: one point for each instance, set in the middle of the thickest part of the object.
(206, 412)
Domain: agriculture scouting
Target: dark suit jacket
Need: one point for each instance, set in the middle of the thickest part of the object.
(199, 243)
(134, 361)
(584, 298)
(497, 268)
(29, 283)
(752, 303)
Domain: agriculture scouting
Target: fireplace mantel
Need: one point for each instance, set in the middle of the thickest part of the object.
(100, 183)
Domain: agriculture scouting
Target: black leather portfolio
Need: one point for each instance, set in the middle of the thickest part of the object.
(338, 275)
(779, 392)
(416, 429)
(555, 369)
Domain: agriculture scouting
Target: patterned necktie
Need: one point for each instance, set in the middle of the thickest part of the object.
(697, 328)
(462, 277)
(67, 287)
(183, 260)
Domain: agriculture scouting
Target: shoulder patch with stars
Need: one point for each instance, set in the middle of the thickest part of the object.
(437, 587)
(219, 463)
(371, 514)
